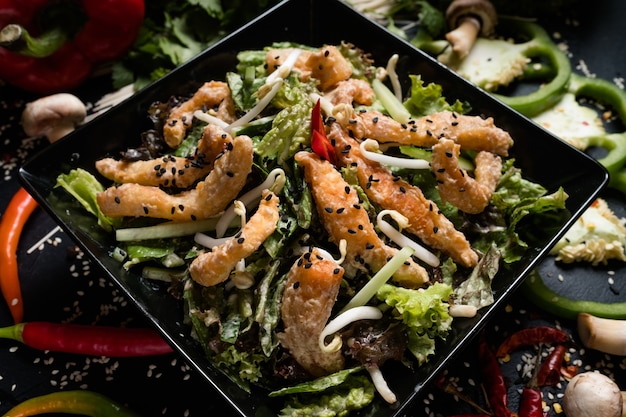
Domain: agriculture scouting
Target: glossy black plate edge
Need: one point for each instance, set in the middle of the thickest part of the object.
(317, 19)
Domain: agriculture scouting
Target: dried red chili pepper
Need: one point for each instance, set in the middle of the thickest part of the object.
(319, 141)
(531, 401)
(532, 336)
(550, 371)
(87, 339)
(82, 402)
(15, 216)
(531, 404)
(495, 385)
(53, 45)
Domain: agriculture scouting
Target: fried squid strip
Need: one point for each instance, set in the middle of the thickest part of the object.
(393, 193)
(168, 171)
(327, 65)
(468, 194)
(351, 91)
(213, 267)
(344, 219)
(210, 196)
(211, 94)
(310, 294)
(471, 132)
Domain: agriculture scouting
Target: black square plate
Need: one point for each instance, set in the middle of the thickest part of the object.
(542, 157)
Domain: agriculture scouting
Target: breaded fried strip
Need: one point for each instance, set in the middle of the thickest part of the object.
(394, 193)
(344, 219)
(211, 94)
(471, 132)
(208, 198)
(351, 91)
(169, 170)
(468, 194)
(310, 294)
(213, 267)
(327, 65)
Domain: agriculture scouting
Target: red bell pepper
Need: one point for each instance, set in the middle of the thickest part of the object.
(49, 46)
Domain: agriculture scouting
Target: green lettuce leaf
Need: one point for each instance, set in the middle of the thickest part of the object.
(424, 311)
(429, 99)
(84, 187)
(355, 393)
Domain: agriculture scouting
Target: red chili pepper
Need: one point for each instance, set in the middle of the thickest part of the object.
(87, 339)
(531, 336)
(495, 386)
(319, 141)
(531, 404)
(53, 45)
(531, 401)
(13, 220)
(550, 372)
(82, 402)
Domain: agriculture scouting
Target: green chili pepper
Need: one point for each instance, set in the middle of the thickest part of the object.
(535, 44)
(607, 93)
(539, 45)
(81, 402)
(545, 298)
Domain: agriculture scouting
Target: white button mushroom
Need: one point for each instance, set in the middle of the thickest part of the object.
(53, 116)
(467, 20)
(592, 394)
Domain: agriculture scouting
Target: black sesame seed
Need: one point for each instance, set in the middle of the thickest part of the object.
(296, 285)
(241, 240)
(117, 199)
(328, 209)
